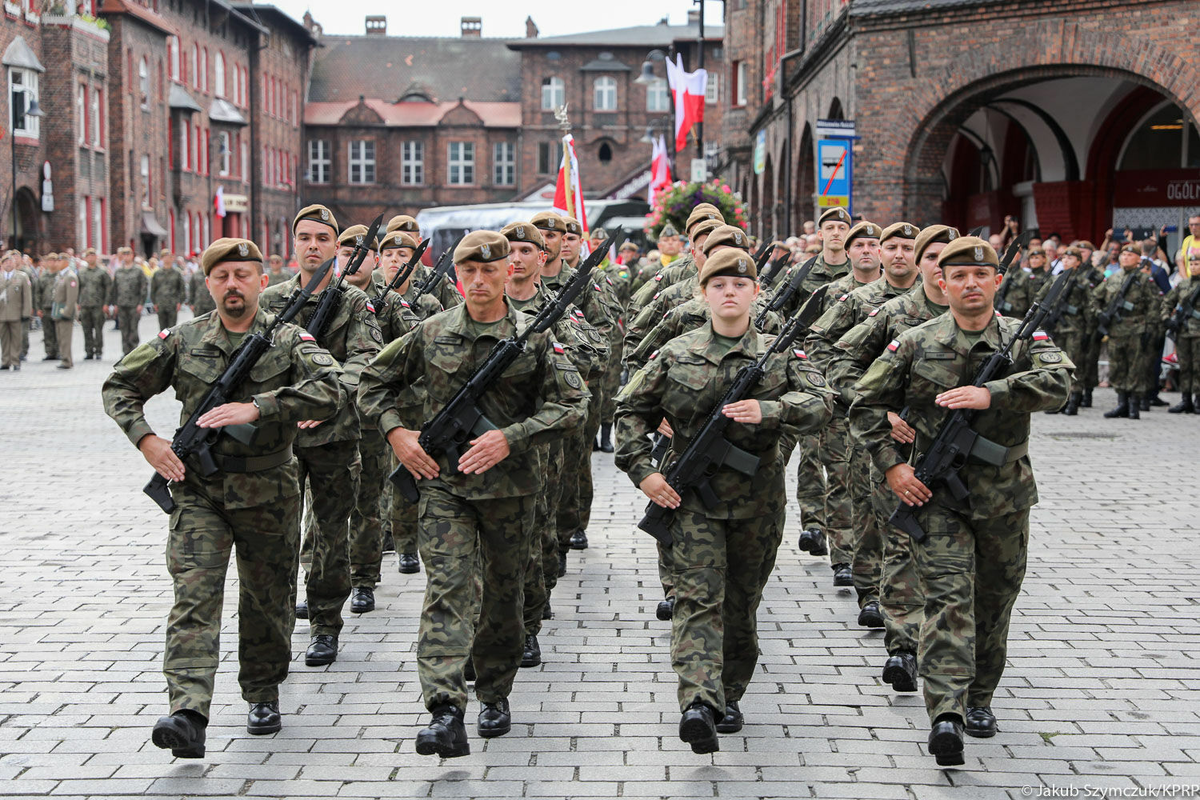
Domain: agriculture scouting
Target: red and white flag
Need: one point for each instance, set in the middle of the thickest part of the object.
(688, 90)
(219, 201)
(570, 201)
(660, 168)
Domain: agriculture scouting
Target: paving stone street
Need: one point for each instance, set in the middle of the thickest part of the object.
(1101, 696)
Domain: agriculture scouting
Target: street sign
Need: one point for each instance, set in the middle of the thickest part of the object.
(835, 162)
(760, 153)
(699, 170)
(835, 129)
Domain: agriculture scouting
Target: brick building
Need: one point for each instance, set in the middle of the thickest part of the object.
(1071, 116)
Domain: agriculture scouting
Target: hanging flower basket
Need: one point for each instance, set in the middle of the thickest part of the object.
(676, 203)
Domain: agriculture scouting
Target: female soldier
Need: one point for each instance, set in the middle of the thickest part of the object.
(723, 555)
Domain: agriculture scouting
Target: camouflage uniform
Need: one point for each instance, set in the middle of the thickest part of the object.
(168, 290)
(1089, 368)
(199, 297)
(1073, 324)
(1129, 336)
(127, 293)
(283, 276)
(43, 294)
(666, 276)
(1187, 341)
(94, 287)
(250, 506)
(973, 561)
(1019, 290)
(721, 556)
(476, 522)
(901, 596)
(328, 454)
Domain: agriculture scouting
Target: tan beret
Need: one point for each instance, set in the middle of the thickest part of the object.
(900, 230)
(1125, 248)
(223, 250)
(91, 251)
(549, 221)
(124, 251)
(317, 213)
(968, 251)
(598, 234)
(164, 253)
(397, 239)
(482, 246)
(403, 222)
(728, 235)
(667, 230)
(835, 214)
(628, 244)
(573, 226)
(729, 262)
(523, 232)
(1086, 245)
(1037, 251)
(700, 213)
(356, 235)
(705, 227)
(932, 235)
(863, 230)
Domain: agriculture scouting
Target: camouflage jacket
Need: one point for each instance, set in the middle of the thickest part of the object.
(128, 287)
(586, 348)
(43, 290)
(1019, 290)
(1141, 309)
(1175, 300)
(295, 380)
(935, 357)
(683, 383)
(65, 295)
(539, 398)
(820, 274)
(687, 317)
(854, 353)
(396, 318)
(283, 276)
(662, 279)
(1078, 306)
(427, 304)
(199, 297)
(620, 279)
(94, 286)
(353, 338)
(848, 310)
(444, 291)
(167, 287)
(596, 301)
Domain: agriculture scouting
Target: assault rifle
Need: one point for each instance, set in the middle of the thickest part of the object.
(955, 441)
(191, 439)
(1001, 303)
(785, 292)
(461, 419)
(1183, 311)
(709, 450)
(1116, 305)
(380, 302)
(331, 298)
(1059, 304)
(440, 270)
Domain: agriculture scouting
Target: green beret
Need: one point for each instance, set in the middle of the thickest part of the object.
(729, 262)
(355, 235)
(549, 221)
(397, 239)
(317, 213)
(902, 230)
(485, 246)
(573, 226)
(968, 251)
(223, 250)
(863, 230)
(728, 235)
(932, 235)
(403, 222)
(523, 232)
(835, 214)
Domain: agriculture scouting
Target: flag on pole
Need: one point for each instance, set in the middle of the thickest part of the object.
(687, 89)
(219, 201)
(570, 202)
(660, 168)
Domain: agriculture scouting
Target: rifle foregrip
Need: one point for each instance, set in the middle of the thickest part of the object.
(157, 491)
(904, 519)
(405, 484)
(657, 523)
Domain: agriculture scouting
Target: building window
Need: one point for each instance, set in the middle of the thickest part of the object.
(219, 74)
(545, 157)
(171, 229)
(739, 84)
(81, 112)
(245, 162)
(657, 97)
(461, 163)
(362, 161)
(204, 71)
(604, 94)
(504, 161)
(99, 241)
(97, 124)
(223, 152)
(22, 91)
(145, 181)
(173, 57)
(195, 66)
(554, 93)
(144, 82)
(712, 92)
(605, 153)
(185, 147)
(84, 218)
(412, 163)
(318, 161)
(187, 232)
(205, 152)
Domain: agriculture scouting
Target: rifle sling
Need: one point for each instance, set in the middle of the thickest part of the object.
(236, 464)
(986, 452)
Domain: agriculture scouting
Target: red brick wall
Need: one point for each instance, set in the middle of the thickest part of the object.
(30, 153)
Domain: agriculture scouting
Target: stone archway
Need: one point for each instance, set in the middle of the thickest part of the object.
(806, 181)
(26, 227)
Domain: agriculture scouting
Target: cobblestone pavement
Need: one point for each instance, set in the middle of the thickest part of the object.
(1102, 693)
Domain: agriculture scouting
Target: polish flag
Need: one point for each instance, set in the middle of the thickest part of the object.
(219, 201)
(660, 168)
(688, 89)
(571, 203)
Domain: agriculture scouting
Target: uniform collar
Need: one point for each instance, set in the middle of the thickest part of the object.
(949, 334)
(218, 337)
(459, 322)
(705, 345)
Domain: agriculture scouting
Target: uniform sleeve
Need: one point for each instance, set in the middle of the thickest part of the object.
(143, 373)
(561, 404)
(381, 382)
(27, 299)
(638, 413)
(1167, 307)
(1043, 387)
(806, 406)
(852, 354)
(643, 323)
(363, 340)
(827, 330)
(880, 390)
(316, 391)
(666, 330)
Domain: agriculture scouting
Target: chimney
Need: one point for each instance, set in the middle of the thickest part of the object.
(376, 25)
(531, 28)
(472, 27)
(312, 25)
(693, 17)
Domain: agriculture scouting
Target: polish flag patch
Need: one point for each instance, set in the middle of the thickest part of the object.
(610, 281)
(558, 348)
(874, 311)
(164, 333)
(800, 354)
(307, 337)
(370, 307)
(843, 297)
(1040, 336)
(658, 277)
(404, 303)
(596, 286)
(893, 346)
(653, 356)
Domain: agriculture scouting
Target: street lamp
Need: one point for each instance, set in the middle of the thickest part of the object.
(648, 77)
(34, 110)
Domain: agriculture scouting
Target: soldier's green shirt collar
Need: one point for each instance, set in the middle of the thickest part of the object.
(216, 335)
(458, 325)
(706, 346)
(947, 333)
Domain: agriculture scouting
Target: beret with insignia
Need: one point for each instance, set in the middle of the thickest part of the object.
(969, 251)
(863, 230)
(317, 213)
(485, 246)
(355, 235)
(730, 261)
(667, 230)
(1127, 248)
(835, 214)
(91, 251)
(124, 251)
(523, 232)
(598, 234)
(899, 230)
(223, 250)
(704, 228)
(932, 235)
(396, 240)
(403, 222)
(548, 221)
(728, 236)
(702, 212)
(573, 226)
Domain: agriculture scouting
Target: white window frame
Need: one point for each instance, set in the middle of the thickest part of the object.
(604, 94)
(144, 171)
(204, 75)
(28, 87)
(194, 63)
(712, 91)
(504, 164)
(460, 163)
(97, 224)
(81, 112)
(225, 158)
(361, 161)
(739, 84)
(219, 74)
(658, 97)
(97, 125)
(173, 57)
(412, 163)
(83, 222)
(319, 162)
(554, 93)
(144, 81)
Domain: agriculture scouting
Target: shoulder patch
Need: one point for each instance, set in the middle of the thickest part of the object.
(893, 346)
(305, 336)
(653, 356)
(800, 354)
(658, 277)
(815, 378)
(843, 297)
(874, 311)
(610, 281)
(1040, 336)
(404, 303)
(164, 333)
(322, 359)
(559, 348)
(1050, 358)
(370, 307)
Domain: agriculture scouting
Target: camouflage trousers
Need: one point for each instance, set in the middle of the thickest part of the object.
(332, 471)
(972, 571)
(834, 452)
(1187, 349)
(92, 319)
(901, 594)
(366, 524)
(541, 574)
(1091, 362)
(611, 382)
(1126, 364)
(463, 541)
(866, 560)
(1074, 345)
(128, 318)
(575, 477)
(49, 334)
(404, 519)
(591, 427)
(720, 569)
(202, 537)
(168, 315)
(810, 483)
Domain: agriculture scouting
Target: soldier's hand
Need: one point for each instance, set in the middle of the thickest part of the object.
(903, 481)
(140, 310)
(486, 452)
(410, 453)
(901, 431)
(747, 412)
(976, 398)
(158, 453)
(664, 428)
(309, 424)
(229, 414)
(655, 487)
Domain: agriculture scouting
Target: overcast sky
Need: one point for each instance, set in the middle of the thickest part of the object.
(501, 18)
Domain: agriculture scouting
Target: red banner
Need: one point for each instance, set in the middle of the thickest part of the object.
(1157, 188)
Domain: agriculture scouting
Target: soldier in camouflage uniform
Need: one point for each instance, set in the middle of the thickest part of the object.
(94, 286)
(198, 297)
(16, 306)
(901, 596)
(1130, 332)
(618, 277)
(444, 291)
(43, 300)
(168, 290)
(127, 296)
(1184, 301)
(275, 271)
(721, 556)
(251, 502)
(973, 560)
(1089, 368)
(328, 453)
(1073, 325)
(476, 515)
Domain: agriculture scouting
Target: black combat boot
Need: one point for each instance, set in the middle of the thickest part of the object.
(1087, 399)
(1185, 406)
(531, 656)
(1122, 409)
(606, 445)
(698, 728)
(1135, 406)
(842, 575)
(409, 564)
(946, 741)
(870, 616)
(1073, 404)
(495, 719)
(900, 671)
(264, 718)
(733, 720)
(322, 650)
(446, 735)
(1143, 402)
(183, 732)
(666, 609)
(981, 722)
(362, 600)
(579, 540)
